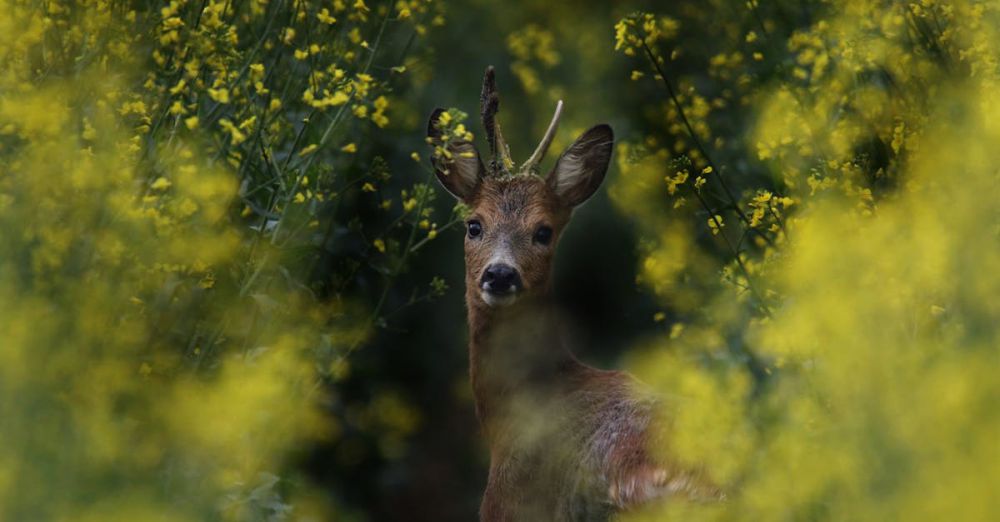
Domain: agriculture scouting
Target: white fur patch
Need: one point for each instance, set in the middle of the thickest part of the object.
(570, 173)
(503, 255)
(499, 300)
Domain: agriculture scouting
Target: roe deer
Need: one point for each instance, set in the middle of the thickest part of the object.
(567, 441)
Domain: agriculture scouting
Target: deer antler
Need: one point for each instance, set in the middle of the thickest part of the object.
(500, 162)
(531, 166)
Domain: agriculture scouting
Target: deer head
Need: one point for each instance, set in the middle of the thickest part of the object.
(517, 217)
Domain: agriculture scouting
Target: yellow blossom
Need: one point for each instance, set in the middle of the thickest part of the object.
(324, 16)
(179, 88)
(715, 224)
(234, 131)
(220, 95)
(161, 183)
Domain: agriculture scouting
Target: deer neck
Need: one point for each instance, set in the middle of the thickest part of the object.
(513, 350)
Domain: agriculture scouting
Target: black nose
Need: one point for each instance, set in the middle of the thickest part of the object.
(500, 278)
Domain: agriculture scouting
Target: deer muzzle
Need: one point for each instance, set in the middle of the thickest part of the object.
(500, 284)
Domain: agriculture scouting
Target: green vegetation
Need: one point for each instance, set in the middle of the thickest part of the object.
(231, 290)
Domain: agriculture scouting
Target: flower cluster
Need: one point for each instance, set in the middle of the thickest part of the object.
(170, 173)
(839, 369)
(532, 47)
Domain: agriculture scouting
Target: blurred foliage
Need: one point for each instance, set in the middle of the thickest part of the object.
(170, 176)
(843, 367)
(223, 296)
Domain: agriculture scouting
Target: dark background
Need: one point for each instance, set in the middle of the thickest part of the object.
(421, 354)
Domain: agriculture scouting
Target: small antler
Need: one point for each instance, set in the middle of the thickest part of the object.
(531, 166)
(500, 162)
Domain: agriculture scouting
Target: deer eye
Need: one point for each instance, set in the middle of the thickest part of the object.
(543, 235)
(475, 229)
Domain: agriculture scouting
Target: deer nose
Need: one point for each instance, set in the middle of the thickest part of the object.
(500, 278)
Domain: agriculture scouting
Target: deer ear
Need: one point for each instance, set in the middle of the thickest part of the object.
(580, 170)
(460, 173)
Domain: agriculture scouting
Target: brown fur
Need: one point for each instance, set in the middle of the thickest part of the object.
(567, 442)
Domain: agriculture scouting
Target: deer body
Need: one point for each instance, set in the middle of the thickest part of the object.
(567, 441)
(560, 433)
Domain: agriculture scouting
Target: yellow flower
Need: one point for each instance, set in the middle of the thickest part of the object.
(675, 181)
(177, 89)
(354, 35)
(219, 95)
(234, 131)
(177, 108)
(368, 187)
(715, 224)
(308, 150)
(379, 245)
(676, 330)
(161, 183)
(191, 123)
(637, 75)
(350, 148)
(324, 16)
(257, 71)
(89, 133)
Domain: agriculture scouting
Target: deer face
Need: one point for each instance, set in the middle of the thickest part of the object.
(510, 238)
(516, 219)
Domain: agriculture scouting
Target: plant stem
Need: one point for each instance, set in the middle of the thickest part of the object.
(694, 135)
